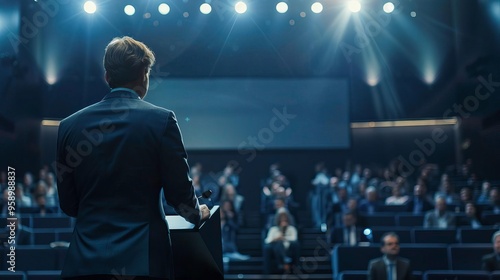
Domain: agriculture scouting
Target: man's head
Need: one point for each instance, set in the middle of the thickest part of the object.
(390, 244)
(440, 204)
(496, 241)
(127, 63)
(419, 190)
(349, 219)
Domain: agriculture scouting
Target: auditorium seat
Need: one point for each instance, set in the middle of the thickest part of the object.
(43, 236)
(495, 275)
(491, 218)
(426, 256)
(456, 275)
(480, 235)
(8, 275)
(53, 221)
(409, 220)
(352, 275)
(38, 257)
(353, 258)
(404, 233)
(468, 256)
(379, 220)
(64, 234)
(43, 275)
(427, 235)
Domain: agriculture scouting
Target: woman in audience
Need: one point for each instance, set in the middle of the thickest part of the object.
(397, 198)
(282, 240)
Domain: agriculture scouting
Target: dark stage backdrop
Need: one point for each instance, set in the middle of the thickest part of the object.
(254, 114)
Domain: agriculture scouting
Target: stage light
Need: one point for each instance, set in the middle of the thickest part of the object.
(164, 8)
(354, 6)
(89, 7)
(282, 7)
(240, 7)
(317, 7)
(205, 8)
(413, 14)
(388, 7)
(129, 10)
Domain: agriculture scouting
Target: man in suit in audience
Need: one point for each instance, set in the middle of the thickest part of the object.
(491, 262)
(439, 217)
(349, 233)
(390, 266)
(420, 202)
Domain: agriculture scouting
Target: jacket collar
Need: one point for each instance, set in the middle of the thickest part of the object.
(121, 93)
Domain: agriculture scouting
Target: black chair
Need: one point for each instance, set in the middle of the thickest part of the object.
(379, 220)
(409, 220)
(426, 256)
(8, 275)
(51, 222)
(352, 275)
(38, 257)
(43, 236)
(467, 256)
(491, 218)
(343, 258)
(456, 275)
(44, 275)
(404, 233)
(480, 235)
(427, 235)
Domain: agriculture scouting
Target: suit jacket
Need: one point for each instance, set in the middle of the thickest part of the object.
(431, 219)
(113, 158)
(425, 202)
(338, 236)
(490, 262)
(377, 269)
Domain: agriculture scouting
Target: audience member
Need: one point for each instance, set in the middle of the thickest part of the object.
(320, 186)
(390, 266)
(440, 217)
(494, 202)
(491, 262)
(349, 233)
(229, 194)
(484, 196)
(397, 198)
(420, 202)
(370, 204)
(471, 218)
(447, 191)
(229, 229)
(282, 242)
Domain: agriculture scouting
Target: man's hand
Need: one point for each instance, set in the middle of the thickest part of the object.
(205, 212)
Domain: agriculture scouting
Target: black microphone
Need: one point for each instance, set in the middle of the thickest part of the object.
(205, 194)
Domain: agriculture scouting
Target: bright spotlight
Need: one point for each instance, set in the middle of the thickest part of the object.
(89, 7)
(413, 14)
(164, 9)
(388, 7)
(282, 7)
(205, 8)
(129, 10)
(240, 7)
(317, 7)
(354, 6)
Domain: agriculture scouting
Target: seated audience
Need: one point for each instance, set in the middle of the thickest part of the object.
(370, 204)
(282, 243)
(390, 266)
(349, 233)
(491, 262)
(447, 191)
(229, 229)
(229, 193)
(484, 196)
(471, 218)
(439, 217)
(420, 202)
(494, 202)
(397, 197)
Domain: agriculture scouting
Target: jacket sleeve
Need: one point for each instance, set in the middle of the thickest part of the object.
(66, 188)
(177, 185)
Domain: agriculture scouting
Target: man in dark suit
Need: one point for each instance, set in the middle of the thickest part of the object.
(349, 233)
(390, 266)
(439, 217)
(113, 158)
(491, 262)
(420, 202)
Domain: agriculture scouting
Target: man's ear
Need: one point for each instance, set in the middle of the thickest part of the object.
(106, 77)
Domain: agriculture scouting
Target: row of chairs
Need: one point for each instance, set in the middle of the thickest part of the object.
(431, 275)
(47, 221)
(429, 235)
(423, 257)
(31, 275)
(412, 220)
(38, 257)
